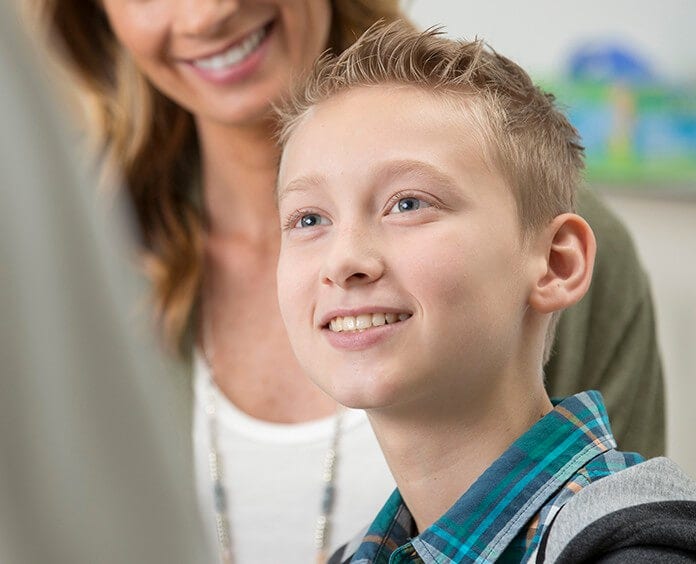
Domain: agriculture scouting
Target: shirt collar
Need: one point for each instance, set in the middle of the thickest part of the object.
(481, 524)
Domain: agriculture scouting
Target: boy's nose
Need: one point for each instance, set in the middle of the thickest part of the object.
(204, 17)
(353, 260)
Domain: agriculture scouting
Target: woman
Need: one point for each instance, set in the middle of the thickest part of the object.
(183, 92)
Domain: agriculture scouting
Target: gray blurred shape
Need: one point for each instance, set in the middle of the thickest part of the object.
(94, 431)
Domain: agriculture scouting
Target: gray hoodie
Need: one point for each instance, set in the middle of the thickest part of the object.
(646, 513)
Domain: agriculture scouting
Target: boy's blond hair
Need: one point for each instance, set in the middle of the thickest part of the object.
(528, 139)
(524, 135)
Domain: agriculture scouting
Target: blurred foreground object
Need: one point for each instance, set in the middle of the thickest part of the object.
(93, 434)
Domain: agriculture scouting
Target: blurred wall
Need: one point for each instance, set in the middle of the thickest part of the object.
(665, 234)
(539, 34)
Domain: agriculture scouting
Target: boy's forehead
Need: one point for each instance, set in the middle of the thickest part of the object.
(383, 122)
(390, 104)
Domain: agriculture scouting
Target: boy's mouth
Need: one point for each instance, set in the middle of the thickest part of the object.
(364, 321)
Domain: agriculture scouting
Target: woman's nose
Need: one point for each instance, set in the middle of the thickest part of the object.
(204, 17)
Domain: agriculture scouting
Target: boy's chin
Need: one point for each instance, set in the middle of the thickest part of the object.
(356, 396)
(346, 398)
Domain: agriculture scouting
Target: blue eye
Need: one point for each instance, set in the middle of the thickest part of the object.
(311, 220)
(408, 204)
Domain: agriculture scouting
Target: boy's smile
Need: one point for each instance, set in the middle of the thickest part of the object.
(365, 321)
(360, 328)
(402, 272)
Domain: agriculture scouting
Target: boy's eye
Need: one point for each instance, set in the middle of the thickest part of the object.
(408, 204)
(311, 220)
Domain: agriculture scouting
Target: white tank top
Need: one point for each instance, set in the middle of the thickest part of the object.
(273, 473)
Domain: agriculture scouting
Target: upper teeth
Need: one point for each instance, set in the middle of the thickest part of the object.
(234, 54)
(365, 321)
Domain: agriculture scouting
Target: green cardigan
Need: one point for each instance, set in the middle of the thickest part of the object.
(607, 341)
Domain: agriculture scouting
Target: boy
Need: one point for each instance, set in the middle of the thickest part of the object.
(426, 194)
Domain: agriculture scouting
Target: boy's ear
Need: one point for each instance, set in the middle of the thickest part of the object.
(568, 247)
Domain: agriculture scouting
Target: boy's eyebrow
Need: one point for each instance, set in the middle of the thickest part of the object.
(299, 184)
(414, 168)
(381, 172)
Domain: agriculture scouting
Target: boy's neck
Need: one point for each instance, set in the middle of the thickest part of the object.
(436, 455)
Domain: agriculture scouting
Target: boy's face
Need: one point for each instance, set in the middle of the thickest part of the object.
(402, 273)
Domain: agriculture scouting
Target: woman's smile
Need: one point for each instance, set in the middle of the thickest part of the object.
(234, 53)
(236, 62)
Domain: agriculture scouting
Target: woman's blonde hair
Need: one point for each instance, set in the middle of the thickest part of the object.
(152, 142)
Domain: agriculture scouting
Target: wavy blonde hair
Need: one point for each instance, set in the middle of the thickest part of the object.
(525, 136)
(152, 142)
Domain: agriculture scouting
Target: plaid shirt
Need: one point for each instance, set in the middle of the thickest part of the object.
(505, 513)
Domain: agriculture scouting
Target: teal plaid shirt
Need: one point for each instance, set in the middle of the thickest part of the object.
(505, 513)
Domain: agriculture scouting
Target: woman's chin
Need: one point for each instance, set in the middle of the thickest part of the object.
(242, 110)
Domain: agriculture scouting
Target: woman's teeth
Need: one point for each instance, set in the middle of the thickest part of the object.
(234, 54)
(365, 321)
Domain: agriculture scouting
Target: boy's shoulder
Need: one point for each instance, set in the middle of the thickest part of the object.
(642, 510)
(508, 510)
(638, 513)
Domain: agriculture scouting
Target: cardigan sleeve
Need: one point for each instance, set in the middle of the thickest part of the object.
(608, 341)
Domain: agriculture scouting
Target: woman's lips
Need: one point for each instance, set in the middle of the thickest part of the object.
(237, 62)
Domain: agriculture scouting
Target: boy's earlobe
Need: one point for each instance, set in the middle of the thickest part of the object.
(570, 252)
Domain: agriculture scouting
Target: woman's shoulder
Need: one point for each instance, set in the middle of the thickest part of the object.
(615, 247)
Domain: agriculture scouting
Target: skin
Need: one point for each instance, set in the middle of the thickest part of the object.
(253, 363)
(427, 228)
(166, 37)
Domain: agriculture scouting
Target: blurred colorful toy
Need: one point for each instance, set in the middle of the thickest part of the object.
(637, 128)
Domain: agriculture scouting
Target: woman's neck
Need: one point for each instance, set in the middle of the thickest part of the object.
(253, 363)
(239, 167)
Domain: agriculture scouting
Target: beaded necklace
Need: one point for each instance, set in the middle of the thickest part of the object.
(322, 530)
